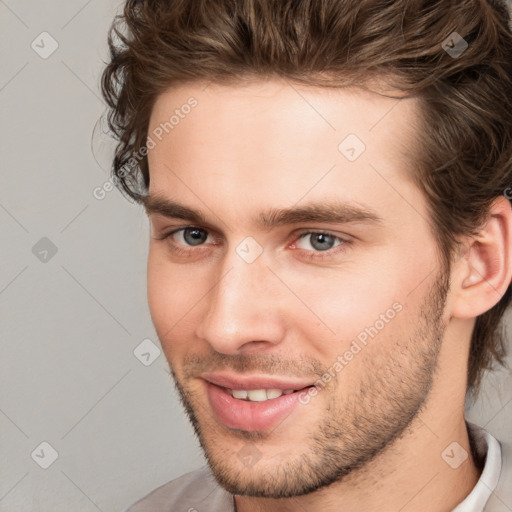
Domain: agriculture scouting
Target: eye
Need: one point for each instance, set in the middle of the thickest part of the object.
(189, 236)
(319, 241)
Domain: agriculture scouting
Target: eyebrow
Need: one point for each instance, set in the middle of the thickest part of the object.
(329, 212)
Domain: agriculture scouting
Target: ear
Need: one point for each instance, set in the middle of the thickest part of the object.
(482, 275)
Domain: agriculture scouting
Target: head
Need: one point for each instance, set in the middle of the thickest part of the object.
(329, 210)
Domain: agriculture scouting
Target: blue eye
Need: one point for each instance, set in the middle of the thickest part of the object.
(319, 241)
(193, 236)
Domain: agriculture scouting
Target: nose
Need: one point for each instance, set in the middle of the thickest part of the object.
(243, 311)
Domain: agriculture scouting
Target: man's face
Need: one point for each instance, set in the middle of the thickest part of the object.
(352, 302)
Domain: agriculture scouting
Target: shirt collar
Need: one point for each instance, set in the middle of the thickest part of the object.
(488, 446)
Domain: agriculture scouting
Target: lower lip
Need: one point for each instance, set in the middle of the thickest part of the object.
(247, 415)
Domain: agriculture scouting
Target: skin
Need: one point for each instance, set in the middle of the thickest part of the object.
(372, 438)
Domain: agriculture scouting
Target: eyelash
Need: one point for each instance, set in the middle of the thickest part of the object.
(310, 255)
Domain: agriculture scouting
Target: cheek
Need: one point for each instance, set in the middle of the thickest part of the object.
(174, 293)
(338, 303)
(365, 303)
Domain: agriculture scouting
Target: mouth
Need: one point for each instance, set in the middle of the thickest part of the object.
(250, 405)
(259, 395)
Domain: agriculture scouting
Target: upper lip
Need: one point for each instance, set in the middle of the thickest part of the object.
(247, 382)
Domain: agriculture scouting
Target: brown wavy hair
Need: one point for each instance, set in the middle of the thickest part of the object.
(464, 156)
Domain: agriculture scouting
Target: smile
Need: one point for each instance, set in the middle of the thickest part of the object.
(252, 409)
(259, 395)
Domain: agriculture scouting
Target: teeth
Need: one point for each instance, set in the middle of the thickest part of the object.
(259, 395)
(274, 393)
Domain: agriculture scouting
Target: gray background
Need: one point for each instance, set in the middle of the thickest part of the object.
(71, 321)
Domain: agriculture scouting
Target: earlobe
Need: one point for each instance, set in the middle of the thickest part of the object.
(485, 271)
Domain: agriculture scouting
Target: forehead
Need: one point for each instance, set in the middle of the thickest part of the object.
(275, 141)
(272, 105)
